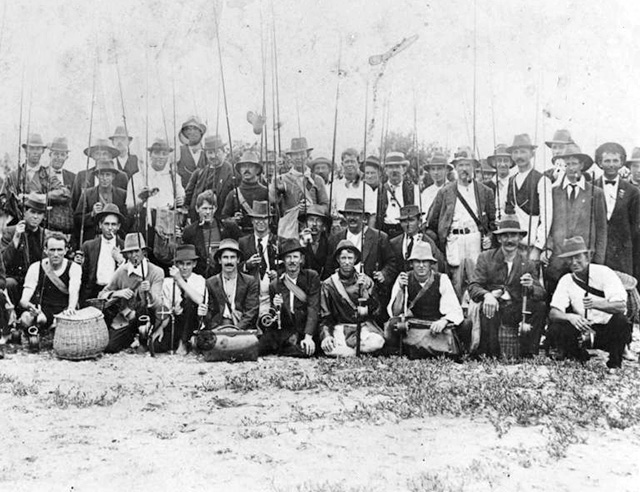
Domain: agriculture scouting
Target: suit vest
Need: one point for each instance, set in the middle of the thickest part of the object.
(524, 198)
(428, 306)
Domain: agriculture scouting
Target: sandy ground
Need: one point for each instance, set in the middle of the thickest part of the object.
(130, 422)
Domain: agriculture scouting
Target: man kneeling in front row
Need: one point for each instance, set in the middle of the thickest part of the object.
(347, 300)
(598, 300)
(429, 305)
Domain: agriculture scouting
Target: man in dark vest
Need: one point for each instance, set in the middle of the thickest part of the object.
(529, 196)
(429, 297)
(126, 162)
(394, 194)
(191, 152)
(316, 237)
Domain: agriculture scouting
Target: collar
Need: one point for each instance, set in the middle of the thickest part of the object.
(581, 183)
(104, 240)
(231, 279)
(616, 179)
(195, 148)
(123, 158)
(525, 173)
(293, 280)
(136, 270)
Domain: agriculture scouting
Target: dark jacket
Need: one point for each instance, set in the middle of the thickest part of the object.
(383, 200)
(194, 234)
(91, 251)
(246, 301)
(202, 180)
(186, 165)
(403, 265)
(130, 167)
(91, 197)
(248, 247)
(120, 181)
(17, 260)
(304, 319)
(318, 261)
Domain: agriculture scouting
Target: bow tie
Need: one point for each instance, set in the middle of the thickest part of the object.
(610, 182)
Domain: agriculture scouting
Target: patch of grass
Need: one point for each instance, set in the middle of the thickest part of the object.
(18, 388)
(6, 378)
(329, 487)
(79, 398)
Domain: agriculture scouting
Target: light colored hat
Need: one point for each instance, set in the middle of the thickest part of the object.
(344, 244)
(395, 158)
(522, 140)
(560, 137)
(102, 144)
(214, 143)
(228, 244)
(573, 246)
(422, 251)
(34, 140)
(500, 151)
(298, 145)
(133, 241)
(260, 209)
(465, 153)
(509, 223)
(635, 156)
(160, 144)
(59, 144)
(572, 150)
(438, 159)
(249, 157)
(121, 131)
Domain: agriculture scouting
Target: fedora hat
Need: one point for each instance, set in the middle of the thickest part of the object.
(353, 205)
(260, 209)
(36, 203)
(121, 132)
(395, 158)
(185, 252)
(106, 166)
(228, 244)
(315, 210)
(34, 140)
(133, 241)
(289, 245)
(573, 246)
(464, 153)
(509, 223)
(572, 150)
(521, 141)
(213, 143)
(372, 160)
(635, 156)
(560, 137)
(409, 211)
(195, 122)
(102, 144)
(59, 144)
(109, 209)
(298, 145)
(344, 244)
(249, 157)
(422, 251)
(319, 160)
(160, 144)
(438, 159)
(500, 151)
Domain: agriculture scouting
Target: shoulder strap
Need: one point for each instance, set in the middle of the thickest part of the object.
(468, 209)
(295, 290)
(243, 202)
(342, 291)
(55, 280)
(422, 291)
(584, 286)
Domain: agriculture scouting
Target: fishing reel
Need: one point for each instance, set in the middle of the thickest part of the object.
(269, 319)
(33, 338)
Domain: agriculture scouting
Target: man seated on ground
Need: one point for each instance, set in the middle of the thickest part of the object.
(134, 291)
(500, 280)
(51, 286)
(183, 302)
(296, 298)
(598, 303)
(101, 256)
(347, 297)
(423, 295)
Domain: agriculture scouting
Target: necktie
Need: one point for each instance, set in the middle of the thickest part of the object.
(263, 262)
(574, 192)
(610, 182)
(409, 248)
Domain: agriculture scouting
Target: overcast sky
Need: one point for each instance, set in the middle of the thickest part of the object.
(567, 64)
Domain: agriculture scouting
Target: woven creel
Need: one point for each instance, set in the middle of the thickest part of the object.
(83, 335)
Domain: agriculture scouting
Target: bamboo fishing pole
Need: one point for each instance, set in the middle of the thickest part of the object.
(86, 169)
(277, 80)
(335, 131)
(174, 176)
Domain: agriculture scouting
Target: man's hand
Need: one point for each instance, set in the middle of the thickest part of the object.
(378, 277)
(144, 194)
(69, 312)
(237, 217)
(272, 275)
(403, 279)
(524, 328)
(179, 201)
(579, 322)
(117, 255)
(97, 208)
(534, 254)
(361, 278)
(78, 257)
(363, 311)
(145, 286)
(308, 345)
(486, 242)
(490, 305)
(174, 271)
(123, 294)
(203, 309)
(594, 303)
(328, 345)
(277, 301)
(526, 280)
(19, 231)
(544, 257)
(253, 261)
(439, 326)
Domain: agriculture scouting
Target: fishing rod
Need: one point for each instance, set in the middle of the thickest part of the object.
(335, 131)
(275, 67)
(86, 169)
(16, 186)
(589, 243)
(416, 149)
(364, 162)
(173, 170)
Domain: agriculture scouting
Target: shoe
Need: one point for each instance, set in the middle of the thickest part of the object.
(629, 355)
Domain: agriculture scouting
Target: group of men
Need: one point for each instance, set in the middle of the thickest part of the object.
(477, 257)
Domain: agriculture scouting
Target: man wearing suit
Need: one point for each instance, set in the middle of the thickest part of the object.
(560, 140)
(93, 200)
(500, 280)
(394, 194)
(378, 260)
(101, 150)
(315, 234)
(59, 186)
(101, 256)
(578, 210)
(461, 220)
(125, 162)
(622, 201)
(402, 246)
(296, 297)
(233, 296)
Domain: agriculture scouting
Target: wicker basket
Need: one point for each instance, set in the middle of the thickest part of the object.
(509, 342)
(81, 336)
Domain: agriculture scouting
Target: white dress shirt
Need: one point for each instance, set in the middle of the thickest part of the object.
(580, 185)
(428, 196)
(610, 194)
(392, 214)
(461, 218)
(195, 282)
(157, 179)
(229, 286)
(540, 224)
(106, 264)
(356, 239)
(343, 189)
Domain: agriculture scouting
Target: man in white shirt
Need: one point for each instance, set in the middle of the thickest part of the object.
(351, 185)
(503, 163)
(437, 167)
(394, 194)
(598, 303)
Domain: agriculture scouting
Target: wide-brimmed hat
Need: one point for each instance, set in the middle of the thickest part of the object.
(523, 140)
(422, 251)
(395, 158)
(344, 244)
(35, 202)
(160, 144)
(213, 143)
(409, 211)
(509, 223)
(573, 246)
(560, 137)
(133, 241)
(353, 205)
(464, 153)
(260, 209)
(315, 210)
(102, 144)
(185, 252)
(319, 160)
(34, 140)
(106, 165)
(298, 145)
(59, 144)
(572, 150)
(109, 209)
(289, 245)
(249, 157)
(121, 131)
(500, 151)
(191, 121)
(372, 160)
(635, 156)
(228, 244)
(438, 159)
